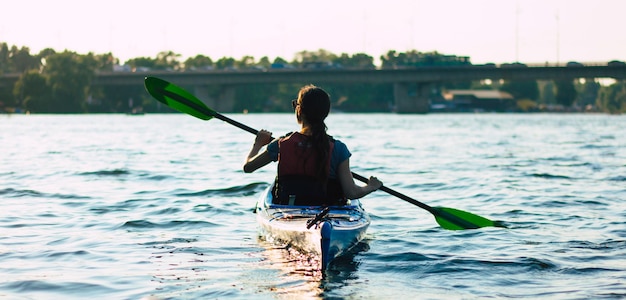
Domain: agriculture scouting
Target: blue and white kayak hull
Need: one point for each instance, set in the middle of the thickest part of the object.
(312, 229)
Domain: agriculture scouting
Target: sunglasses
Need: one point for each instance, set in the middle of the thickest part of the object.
(294, 103)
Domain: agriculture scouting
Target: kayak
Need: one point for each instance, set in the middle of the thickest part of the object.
(327, 232)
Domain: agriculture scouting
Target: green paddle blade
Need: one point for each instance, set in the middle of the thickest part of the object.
(448, 218)
(177, 98)
(454, 219)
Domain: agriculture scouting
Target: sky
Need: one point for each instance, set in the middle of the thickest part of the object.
(488, 31)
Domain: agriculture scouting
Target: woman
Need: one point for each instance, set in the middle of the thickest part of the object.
(313, 168)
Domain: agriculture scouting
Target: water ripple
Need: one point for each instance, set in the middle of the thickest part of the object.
(114, 173)
(14, 193)
(76, 288)
(178, 224)
(235, 191)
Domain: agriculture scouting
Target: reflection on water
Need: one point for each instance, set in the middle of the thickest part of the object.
(300, 272)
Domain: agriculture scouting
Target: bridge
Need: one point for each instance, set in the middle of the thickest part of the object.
(404, 80)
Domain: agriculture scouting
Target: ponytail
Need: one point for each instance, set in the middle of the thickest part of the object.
(315, 106)
(321, 144)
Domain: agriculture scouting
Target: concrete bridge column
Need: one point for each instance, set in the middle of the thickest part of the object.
(411, 98)
(224, 101)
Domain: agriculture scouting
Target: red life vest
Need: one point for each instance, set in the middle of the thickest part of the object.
(296, 156)
(297, 183)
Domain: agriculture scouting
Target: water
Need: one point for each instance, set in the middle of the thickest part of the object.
(156, 206)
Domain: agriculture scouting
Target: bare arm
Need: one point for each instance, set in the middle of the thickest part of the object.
(255, 160)
(350, 189)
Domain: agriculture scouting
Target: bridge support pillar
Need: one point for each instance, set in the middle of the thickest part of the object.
(411, 98)
(221, 101)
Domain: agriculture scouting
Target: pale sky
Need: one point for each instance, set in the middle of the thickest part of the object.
(498, 31)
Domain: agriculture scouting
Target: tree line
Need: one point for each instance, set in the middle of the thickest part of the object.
(60, 82)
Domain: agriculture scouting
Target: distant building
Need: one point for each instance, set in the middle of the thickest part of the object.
(478, 100)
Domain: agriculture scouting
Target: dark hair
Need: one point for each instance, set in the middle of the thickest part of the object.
(314, 106)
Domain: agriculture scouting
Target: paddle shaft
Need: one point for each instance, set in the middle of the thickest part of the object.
(355, 175)
(398, 194)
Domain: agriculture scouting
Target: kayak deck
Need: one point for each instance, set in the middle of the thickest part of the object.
(325, 231)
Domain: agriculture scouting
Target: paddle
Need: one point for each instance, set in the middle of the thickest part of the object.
(181, 100)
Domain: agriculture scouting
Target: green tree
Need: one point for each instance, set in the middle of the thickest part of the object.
(391, 59)
(167, 60)
(547, 92)
(225, 63)
(612, 99)
(588, 92)
(620, 99)
(33, 92)
(45, 53)
(22, 60)
(69, 76)
(320, 55)
(139, 62)
(198, 62)
(245, 62)
(17, 60)
(359, 60)
(105, 62)
(264, 62)
(4, 58)
(280, 60)
(565, 92)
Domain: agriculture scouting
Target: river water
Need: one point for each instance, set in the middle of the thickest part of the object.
(157, 207)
